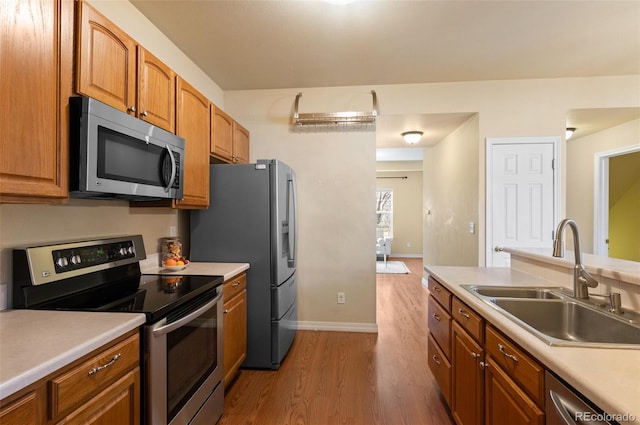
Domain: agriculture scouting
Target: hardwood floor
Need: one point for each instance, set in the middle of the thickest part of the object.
(349, 377)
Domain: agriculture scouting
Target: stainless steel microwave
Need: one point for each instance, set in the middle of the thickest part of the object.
(113, 155)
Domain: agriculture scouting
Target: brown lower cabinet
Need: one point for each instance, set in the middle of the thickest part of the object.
(102, 387)
(234, 325)
(484, 377)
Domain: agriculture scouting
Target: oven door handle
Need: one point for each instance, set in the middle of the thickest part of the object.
(186, 319)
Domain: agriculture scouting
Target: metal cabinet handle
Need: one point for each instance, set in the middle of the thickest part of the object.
(504, 353)
(475, 355)
(435, 316)
(131, 109)
(143, 113)
(111, 362)
(464, 313)
(436, 288)
(435, 359)
(236, 283)
(226, 311)
(484, 365)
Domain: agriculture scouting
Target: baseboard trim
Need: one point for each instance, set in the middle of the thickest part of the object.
(338, 327)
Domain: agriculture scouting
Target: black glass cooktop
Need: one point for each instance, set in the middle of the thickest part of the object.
(154, 295)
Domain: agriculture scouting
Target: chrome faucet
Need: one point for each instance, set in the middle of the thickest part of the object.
(582, 280)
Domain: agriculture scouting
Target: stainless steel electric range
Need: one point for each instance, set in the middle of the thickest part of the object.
(182, 337)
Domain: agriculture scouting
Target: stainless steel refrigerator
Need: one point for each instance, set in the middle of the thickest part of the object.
(252, 218)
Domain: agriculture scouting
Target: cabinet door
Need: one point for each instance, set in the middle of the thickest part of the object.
(117, 404)
(23, 411)
(192, 123)
(235, 335)
(240, 144)
(221, 134)
(106, 61)
(505, 402)
(36, 47)
(468, 383)
(156, 91)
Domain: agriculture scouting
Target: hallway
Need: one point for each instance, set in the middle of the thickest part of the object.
(351, 378)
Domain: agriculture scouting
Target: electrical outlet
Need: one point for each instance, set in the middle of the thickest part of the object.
(340, 297)
(173, 231)
(408, 244)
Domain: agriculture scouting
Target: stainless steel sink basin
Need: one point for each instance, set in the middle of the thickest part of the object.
(559, 319)
(515, 292)
(566, 320)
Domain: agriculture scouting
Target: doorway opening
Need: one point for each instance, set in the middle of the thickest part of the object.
(617, 182)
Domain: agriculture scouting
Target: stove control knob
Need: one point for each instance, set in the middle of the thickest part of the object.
(122, 251)
(75, 259)
(130, 250)
(62, 262)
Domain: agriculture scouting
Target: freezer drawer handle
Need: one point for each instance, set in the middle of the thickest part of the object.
(561, 408)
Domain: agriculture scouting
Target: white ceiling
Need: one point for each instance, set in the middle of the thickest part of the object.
(269, 44)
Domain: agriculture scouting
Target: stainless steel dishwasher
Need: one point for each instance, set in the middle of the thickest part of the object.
(564, 406)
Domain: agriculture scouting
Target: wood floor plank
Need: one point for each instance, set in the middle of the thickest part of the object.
(351, 378)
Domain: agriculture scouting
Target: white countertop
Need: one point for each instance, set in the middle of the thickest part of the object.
(613, 268)
(608, 377)
(228, 270)
(35, 343)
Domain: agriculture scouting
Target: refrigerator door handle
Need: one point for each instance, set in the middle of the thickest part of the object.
(291, 221)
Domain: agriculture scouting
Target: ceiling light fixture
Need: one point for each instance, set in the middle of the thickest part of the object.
(412, 137)
(569, 132)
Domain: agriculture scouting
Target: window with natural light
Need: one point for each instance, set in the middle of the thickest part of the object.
(384, 213)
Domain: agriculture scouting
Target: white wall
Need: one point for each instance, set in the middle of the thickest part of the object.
(451, 198)
(336, 195)
(504, 109)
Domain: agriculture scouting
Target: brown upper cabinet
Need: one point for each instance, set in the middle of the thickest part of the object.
(156, 91)
(221, 134)
(106, 61)
(240, 144)
(37, 65)
(229, 140)
(192, 123)
(114, 69)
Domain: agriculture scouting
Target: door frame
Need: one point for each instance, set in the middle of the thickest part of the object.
(601, 197)
(490, 142)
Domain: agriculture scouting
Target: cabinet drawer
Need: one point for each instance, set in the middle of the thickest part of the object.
(82, 382)
(441, 369)
(234, 286)
(439, 323)
(440, 293)
(468, 319)
(520, 367)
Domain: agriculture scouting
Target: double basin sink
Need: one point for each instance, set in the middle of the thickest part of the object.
(559, 319)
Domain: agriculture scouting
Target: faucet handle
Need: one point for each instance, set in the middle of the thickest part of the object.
(615, 303)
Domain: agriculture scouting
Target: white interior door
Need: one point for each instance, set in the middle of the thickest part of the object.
(521, 196)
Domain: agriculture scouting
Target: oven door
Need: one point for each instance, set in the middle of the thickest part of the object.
(184, 364)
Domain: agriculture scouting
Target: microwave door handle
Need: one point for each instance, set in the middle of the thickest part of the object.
(186, 319)
(173, 170)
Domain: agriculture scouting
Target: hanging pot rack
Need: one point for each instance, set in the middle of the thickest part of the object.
(336, 120)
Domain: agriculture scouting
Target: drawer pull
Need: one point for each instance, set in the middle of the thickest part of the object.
(435, 359)
(504, 353)
(436, 288)
(464, 313)
(236, 283)
(99, 368)
(226, 311)
(435, 316)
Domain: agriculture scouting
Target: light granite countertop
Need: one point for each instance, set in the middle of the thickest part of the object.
(610, 378)
(227, 270)
(35, 343)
